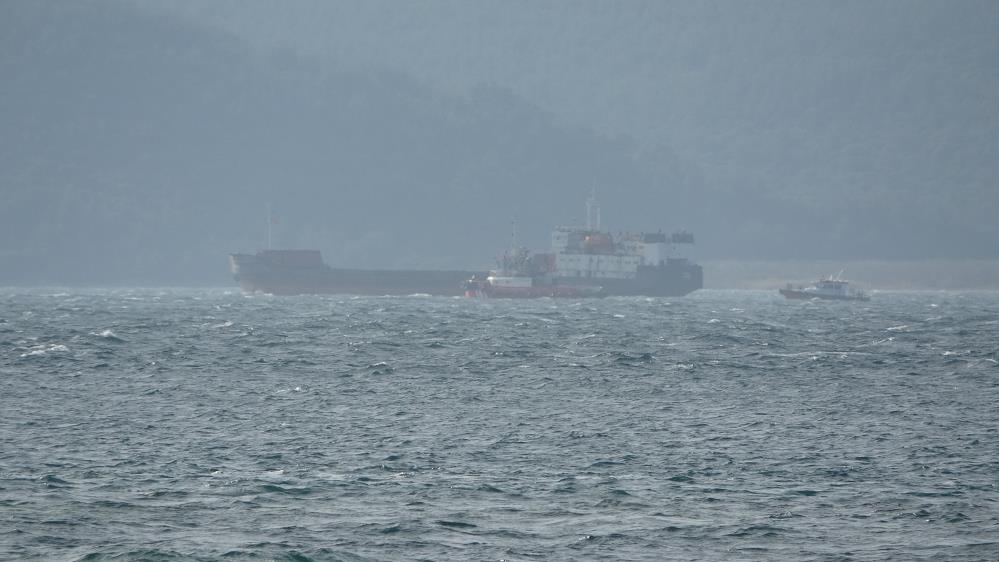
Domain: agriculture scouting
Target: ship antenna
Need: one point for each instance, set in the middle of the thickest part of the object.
(270, 222)
(592, 208)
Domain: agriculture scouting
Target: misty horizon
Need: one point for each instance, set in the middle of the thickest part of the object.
(144, 140)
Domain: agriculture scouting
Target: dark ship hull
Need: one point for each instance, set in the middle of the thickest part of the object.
(302, 272)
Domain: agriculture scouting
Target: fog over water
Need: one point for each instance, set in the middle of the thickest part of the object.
(144, 140)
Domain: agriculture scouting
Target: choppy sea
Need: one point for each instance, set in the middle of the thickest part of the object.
(193, 424)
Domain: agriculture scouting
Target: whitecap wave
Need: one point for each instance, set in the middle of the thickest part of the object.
(40, 350)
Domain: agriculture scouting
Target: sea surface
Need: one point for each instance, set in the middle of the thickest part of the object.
(196, 424)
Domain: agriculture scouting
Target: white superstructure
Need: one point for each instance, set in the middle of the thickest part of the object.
(594, 253)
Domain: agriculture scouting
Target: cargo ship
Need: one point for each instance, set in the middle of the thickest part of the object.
(582, 258)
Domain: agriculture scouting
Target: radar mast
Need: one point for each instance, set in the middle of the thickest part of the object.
(592, 211)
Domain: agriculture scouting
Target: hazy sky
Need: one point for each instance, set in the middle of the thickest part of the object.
(647, 60)
(144, 140)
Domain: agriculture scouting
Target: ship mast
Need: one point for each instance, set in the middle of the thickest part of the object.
(592, 211)
(270, 223)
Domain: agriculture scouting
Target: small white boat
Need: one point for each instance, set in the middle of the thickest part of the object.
(832, 288)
